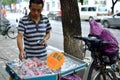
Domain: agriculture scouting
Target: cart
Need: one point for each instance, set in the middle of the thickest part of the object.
(71, 65)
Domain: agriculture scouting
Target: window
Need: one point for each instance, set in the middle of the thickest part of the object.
(92, 9)
(84, 9)
(118, 14)
(102, 8)
(53, 4)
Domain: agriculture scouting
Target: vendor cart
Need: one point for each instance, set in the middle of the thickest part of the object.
(71, 65)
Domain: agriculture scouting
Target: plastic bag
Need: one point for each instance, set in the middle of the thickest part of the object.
(71, 77)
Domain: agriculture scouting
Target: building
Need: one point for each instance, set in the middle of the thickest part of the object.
(54, 5)
(51, 5)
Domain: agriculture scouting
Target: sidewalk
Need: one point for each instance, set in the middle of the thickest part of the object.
(9, 51)
(13, 16)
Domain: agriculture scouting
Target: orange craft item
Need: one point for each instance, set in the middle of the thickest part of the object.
(55, 60)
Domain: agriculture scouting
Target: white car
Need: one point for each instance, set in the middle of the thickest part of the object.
(88, 12)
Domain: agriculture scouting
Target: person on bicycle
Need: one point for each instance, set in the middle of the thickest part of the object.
(33, 32)
(111, 49)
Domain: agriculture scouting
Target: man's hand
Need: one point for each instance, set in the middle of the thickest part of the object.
(42, 43)
(22, 55)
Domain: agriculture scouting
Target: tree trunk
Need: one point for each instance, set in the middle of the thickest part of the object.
(112, 9)
(71, 26)
(113, 5)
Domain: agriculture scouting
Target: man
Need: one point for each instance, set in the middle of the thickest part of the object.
(25, 11)
(3, 12)
(33, 32)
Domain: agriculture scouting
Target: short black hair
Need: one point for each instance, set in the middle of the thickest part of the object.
(36, 2)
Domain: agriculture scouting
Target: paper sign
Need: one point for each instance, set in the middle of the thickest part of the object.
(55, 60)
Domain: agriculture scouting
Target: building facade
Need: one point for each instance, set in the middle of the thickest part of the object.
(52, 5)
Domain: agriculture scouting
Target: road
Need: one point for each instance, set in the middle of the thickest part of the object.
(56, 39)
(57, 34)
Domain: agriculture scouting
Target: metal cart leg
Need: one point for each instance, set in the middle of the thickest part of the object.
(58, 77)
(86, 72)
(10, 78)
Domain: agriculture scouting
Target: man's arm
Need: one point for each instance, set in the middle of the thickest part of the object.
(20, 45)
(47, 36)
(20, 42)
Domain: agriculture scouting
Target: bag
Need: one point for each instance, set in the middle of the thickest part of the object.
(71, 77)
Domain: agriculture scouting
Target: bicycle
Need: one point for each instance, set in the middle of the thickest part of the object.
(116, 67)
(8, 29)
(99, 68)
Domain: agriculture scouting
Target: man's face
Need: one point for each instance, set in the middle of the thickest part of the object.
(35, 10)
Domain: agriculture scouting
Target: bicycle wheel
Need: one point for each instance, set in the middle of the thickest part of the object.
(116, 68)
(106, 74)
(12, 32)
(91, 70)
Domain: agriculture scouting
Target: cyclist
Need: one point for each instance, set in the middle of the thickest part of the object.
(112, 48)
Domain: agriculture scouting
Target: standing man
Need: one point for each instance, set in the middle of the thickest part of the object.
(33, 32)
(3, 11)
(25, 11)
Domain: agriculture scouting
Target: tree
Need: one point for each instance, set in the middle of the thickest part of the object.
(26, 0)
(113, 5)
(81, 1)
(71, 26)
(8, 2)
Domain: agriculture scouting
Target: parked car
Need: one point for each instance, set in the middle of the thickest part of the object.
(113, 20)
(55, 15)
